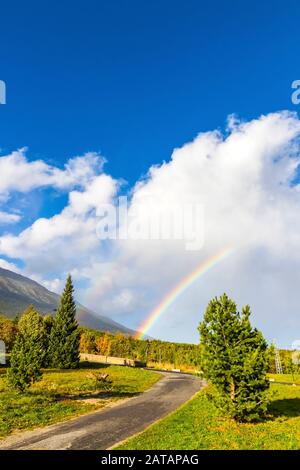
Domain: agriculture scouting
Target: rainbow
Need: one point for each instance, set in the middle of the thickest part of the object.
(182, 285)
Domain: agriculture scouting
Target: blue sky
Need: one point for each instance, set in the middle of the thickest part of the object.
(133, 80)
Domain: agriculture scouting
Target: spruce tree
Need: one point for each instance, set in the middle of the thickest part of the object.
(65, 336)
(236, 359)
(28, 352)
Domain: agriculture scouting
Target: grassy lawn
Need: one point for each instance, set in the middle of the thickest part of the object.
(286, 378)
(64, 394)
(199, 425)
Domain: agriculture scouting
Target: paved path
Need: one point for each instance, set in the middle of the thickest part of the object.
(104, 428)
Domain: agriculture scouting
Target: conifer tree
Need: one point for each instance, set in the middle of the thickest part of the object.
(235, 359)
(28, 352)
(65, 336)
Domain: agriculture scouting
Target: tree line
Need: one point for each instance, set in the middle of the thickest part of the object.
(148, 351)
(177, 355)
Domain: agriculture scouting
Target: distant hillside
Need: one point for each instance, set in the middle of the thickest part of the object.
(17, 292)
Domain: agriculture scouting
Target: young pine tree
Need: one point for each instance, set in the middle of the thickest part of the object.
(235, 359)
(65, 336)
(28, 352)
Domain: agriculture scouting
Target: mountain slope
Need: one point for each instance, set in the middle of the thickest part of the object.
(17, 292)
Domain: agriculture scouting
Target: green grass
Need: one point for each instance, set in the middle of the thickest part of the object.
(200, 425)
(64, 394)
(286, 378)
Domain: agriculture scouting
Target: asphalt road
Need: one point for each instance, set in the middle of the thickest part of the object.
(105, 428)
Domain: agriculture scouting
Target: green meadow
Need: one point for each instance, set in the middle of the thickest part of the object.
(63, 394)
(200, 425)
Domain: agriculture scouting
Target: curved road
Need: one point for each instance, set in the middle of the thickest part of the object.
(104, 428)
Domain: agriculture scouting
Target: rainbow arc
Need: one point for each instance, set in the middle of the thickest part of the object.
(177, 290)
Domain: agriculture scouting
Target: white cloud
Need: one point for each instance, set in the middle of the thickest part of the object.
(65, 237)
(10, 266)
(19, 174)
(245, 181)
(8, 218)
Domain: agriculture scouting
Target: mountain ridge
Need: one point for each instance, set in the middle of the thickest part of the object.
(17, 292)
